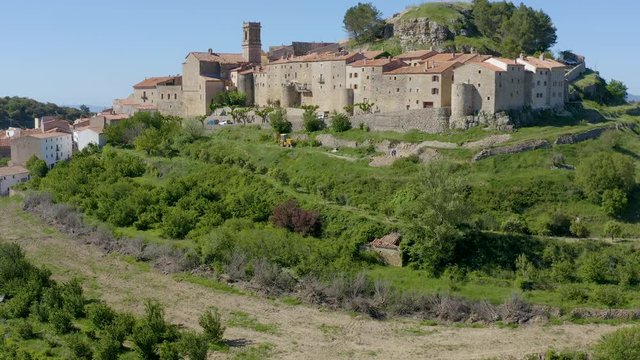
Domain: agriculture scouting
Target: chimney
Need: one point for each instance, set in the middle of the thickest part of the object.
(210, 51)
(542, 56)
(521, 56)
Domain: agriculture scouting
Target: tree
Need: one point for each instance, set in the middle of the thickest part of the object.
(435, 209)
(613, 229)
(340, 122)
(310, 120)
(363, 22)
(232, 98)
(37, 168)
(365, 106)
(616, 92)
(527, 31)
(85, 110)
(489, 17)
(605, 171)
(263, 113)
(614, 202)
(279, 122)
(240, 114)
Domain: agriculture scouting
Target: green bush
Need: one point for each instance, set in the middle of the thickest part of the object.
(579, 229)
(572, 292)
(73, 298)
(610, 296)
(107, 348)
(211, 323)
(194, 346)
(613, 229)
(605, 171)
(279, 122)
(100, 315)
(515, 224)
(624, 344)
(79, 347)
(614, 202)
(340, 122)
(24, 329)
(310, 122)
(60, 320)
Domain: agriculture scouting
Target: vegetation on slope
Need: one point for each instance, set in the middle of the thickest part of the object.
(441, 12)
(475, 229)
(20, 112)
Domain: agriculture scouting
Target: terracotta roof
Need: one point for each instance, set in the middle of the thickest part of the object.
(545, 64)
(420, 54)
(12, 170)
(348, 57)
(506, 61)
(248, 71)
(4, 142)
(491, 67)
(152, 82)
(95, 129)
(372, 54)
(371, 63)
(391, 241)
(218, 57)
(439, 68)
(48, 135)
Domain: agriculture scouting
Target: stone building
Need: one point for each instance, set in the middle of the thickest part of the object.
(545, 82)
(51, 147)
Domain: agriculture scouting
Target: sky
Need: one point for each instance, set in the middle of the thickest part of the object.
(90, 52)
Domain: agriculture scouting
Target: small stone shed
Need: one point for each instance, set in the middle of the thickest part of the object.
(389, 249)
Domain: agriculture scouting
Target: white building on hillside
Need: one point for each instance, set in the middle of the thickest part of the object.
(10, 176)
(50, 147)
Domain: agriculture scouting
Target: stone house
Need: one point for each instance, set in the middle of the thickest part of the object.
(545, 82)
(51, 147)
(388, 247)
(10, 176)
(490, 86)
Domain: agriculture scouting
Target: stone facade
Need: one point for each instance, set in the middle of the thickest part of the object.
(50, 147)
(432, 121)
(546, 86)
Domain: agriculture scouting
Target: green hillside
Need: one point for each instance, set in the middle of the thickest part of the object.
(20, 111)
(442, 13)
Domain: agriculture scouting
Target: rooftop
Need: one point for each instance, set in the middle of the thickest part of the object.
(419, 54)
(439, 68)
(543, 63)
(48, 135)
(391, 241)
(12, 170)
(338, 56)
(223, 58)
(152, 82)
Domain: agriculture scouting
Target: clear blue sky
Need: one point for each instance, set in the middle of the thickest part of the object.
(89, 52)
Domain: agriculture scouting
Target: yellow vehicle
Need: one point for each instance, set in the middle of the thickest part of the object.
(285, 140)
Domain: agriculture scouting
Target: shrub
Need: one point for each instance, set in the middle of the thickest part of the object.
(107, 349)
(613, 229)
(177, 222)
(169, 351)
(310, 122)
(73, 298)
(100, 315)
(60, 320)
(579, 229)
(340, 122)
(211, 323)
(623, 344)
(290, 216)
(614, 202)
(79, 347)
(573, 292)
(270, 278)
(121, 327)
(610, 296)
(24, 329)
(605, 171)
(194, 346)
(279, 122)
(515, 224)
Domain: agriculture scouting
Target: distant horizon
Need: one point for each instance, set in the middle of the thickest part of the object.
(74, 56)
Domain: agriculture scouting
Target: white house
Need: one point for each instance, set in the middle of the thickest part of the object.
(89, 135)
(10, 176)
(50, 147)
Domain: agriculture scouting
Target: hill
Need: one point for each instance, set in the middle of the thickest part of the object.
(491, 28)
(20, 111)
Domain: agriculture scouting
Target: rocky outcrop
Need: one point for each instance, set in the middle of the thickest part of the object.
(500, 121)
(421, 32)
(512, 149)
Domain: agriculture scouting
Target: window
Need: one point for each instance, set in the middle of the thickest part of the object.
(545, 83)
(162, 96)
(488, 98)
(367, 77)
(355, 86)
(355, 75)
(398, 90)
(538, 82)
(175, 96)
(435, 78)
(479, 71)
(435, 91)
(395, 78)
(350, 75)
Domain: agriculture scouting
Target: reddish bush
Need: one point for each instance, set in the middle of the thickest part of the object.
(290, 216)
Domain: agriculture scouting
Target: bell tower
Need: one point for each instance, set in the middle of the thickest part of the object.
(251, 43)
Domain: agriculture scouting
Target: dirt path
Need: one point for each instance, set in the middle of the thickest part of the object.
(301, 332)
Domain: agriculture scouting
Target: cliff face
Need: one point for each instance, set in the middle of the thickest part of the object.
(421, 33)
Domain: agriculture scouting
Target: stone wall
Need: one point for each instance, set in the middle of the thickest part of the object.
(512, 149)
(431, 121)
(575, 73)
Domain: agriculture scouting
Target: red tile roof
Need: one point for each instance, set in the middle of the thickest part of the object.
(348, 57)
(372, 54)
(372, 63)
(222, 58)
(391, 241)
(48, 135)
(439, 68)
(491, 67)
(417, 55)
(545, 64)
(152, 82)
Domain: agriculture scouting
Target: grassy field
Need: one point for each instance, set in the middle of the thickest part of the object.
(442, 13)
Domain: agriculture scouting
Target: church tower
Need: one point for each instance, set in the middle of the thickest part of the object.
(251, 43)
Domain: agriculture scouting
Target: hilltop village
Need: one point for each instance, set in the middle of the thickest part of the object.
(428, 84)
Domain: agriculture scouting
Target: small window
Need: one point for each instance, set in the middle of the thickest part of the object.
(355, 86)
(350, 75)
(488, 98)
(398, 90)
(435, 78)
(479, 71)
(435, 91)
(355, 75)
